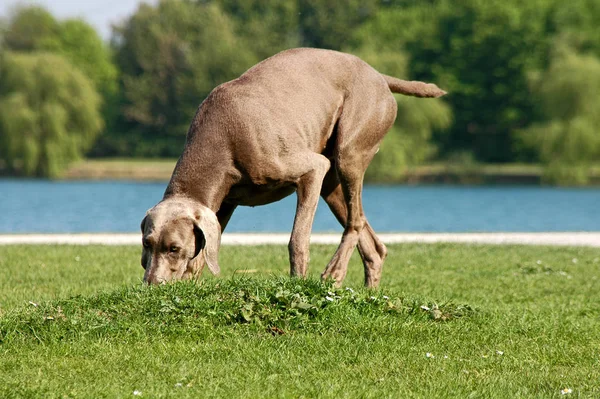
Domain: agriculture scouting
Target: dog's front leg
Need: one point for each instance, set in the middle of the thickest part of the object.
(308, 192)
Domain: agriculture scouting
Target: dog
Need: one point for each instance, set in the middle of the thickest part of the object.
(304, 120)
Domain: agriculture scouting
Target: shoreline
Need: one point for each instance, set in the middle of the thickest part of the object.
(588, 239)
(160, 170)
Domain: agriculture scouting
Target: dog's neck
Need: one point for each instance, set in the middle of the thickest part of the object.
(205, 187)
(201, 176)
(204, 172)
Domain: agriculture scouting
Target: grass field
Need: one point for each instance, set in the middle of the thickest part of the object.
(119, 168)
(450, 321)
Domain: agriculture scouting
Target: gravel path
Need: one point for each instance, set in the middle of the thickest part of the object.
(591, 239)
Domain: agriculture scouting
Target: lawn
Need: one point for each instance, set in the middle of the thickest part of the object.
(121, 168)
(450, 321)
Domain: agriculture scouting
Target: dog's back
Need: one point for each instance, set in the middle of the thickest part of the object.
(297, 93)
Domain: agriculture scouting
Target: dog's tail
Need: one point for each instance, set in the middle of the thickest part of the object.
(413, 88)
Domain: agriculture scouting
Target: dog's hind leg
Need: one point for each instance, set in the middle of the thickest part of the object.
(372, 250)
(351, 184)
(367, 115)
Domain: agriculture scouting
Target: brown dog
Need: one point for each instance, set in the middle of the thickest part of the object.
(304, 120)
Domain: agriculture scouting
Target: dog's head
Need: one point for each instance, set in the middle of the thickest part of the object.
(178, 237)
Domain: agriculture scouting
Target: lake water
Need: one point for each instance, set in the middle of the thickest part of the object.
(36, 206)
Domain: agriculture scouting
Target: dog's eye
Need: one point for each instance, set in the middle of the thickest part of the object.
(146, 244)
(173, 249)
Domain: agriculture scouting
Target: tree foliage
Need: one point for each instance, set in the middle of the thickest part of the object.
(171, 56)
(330, 24)
(269, 26)
(567, 139)
(574, 24)
(49, 113)
(33, 29)
(481, 52)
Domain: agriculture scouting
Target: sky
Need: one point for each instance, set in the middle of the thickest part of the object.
(99, 13)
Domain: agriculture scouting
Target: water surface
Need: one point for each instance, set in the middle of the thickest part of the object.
(37, 206)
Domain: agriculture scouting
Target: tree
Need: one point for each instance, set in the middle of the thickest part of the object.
(269, 26)
(171, 57)
(33, 29)
(82, 46)
(574, 24)
(49, 113)
(330, 24)
(567, 138)
(481, 51)
(2, 31)
(273, 25)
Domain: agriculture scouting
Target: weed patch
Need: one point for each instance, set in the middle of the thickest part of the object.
(277, 305)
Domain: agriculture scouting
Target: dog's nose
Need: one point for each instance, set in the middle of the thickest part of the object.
(150, 278)
(154, 279)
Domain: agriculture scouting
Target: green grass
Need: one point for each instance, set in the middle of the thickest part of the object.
(121, 168)
(497, 321)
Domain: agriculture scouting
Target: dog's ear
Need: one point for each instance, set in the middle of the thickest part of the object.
(200, 240)
(208, 237)
(143, 224)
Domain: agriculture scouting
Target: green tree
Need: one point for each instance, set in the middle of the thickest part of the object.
(171, 57)
(481, 51)
(269, 26)
(30, 28)
(2, 33)
(567, 139)
(35, 29)
(574, 24)
(49, 113)
(82, 46)
(331, 24)
(409, 141)
(272, 25)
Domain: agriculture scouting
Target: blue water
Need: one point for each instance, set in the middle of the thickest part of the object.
(30, 206)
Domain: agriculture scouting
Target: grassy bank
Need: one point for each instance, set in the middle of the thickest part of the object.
(449, 321)
(161, 169)
(121, 169)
